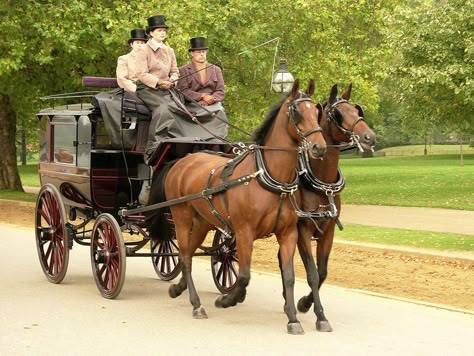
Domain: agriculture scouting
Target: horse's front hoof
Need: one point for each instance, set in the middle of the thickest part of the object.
(173, 291)
(295, 329)
(323, 326)
(303, 306)
(199, 313)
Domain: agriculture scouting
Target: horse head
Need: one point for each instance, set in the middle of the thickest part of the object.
(303, 120)
(348, 120)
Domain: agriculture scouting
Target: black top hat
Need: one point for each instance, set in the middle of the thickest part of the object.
(156, 22)
(197, 43)
(137, 34)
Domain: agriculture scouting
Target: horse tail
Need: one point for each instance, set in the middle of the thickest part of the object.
(159, 223)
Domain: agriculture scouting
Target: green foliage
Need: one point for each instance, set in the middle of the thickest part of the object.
(435, 64)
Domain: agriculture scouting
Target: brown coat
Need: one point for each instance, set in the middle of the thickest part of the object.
(191, 84)
(155, 64)
(126, 72)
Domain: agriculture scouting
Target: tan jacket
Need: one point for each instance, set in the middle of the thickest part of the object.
(126, 72)
(155, 64)
(190, 83)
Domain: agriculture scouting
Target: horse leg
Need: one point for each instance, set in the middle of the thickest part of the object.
(305, 232)
(244, 242)
(304, 247)
(190, 237)
(287, 251)
(324, 249)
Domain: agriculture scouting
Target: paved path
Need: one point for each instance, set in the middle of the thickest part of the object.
(40, 318)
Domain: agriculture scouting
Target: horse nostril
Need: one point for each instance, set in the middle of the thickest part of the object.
(318, 150)
(367, 138)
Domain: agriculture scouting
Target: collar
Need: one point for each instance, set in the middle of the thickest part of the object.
(155, 45)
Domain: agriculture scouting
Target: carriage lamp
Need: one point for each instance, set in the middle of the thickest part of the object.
(283, 80)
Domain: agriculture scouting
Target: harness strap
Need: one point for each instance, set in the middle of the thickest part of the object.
(214, 211)
(206, 192)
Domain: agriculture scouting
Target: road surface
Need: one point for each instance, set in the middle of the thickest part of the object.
(40, 318)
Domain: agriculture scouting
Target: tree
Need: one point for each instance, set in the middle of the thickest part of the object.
(435, 67)
(55, 43)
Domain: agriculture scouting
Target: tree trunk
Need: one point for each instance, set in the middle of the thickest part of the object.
(462, 153)
(9, 176)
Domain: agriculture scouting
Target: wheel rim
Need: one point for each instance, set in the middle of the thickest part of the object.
(166, 267)
(108, 256)
(51, 234)
(224, 263)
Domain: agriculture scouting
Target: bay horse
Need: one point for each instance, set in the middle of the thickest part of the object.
(252, 210)
(343, 126)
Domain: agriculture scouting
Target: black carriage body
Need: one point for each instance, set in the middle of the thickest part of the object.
(77, 157)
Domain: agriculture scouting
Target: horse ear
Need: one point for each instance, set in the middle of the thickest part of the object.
(333, 95)
(310, 88)
(347, 93)
(320, 112)
(296, 88)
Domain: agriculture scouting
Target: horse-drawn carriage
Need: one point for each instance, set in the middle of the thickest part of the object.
(87, 178)
(88, 173)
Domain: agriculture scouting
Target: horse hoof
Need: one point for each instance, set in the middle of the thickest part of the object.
(172, 291)
(295, 329)
(199, 313)
(220, 302)
(323, 326)
(241, 298)
(302, 306)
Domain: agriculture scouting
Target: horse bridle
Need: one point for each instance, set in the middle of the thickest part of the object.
(333, 111)
(295, 114)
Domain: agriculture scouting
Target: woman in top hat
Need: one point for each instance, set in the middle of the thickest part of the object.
(126, 64)
(157, 72)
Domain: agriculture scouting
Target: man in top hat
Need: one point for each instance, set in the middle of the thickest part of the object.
(126, 64)
(203, 83)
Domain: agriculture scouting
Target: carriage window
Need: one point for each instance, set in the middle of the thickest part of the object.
(44, 139)
(64, 135)
(84, 142)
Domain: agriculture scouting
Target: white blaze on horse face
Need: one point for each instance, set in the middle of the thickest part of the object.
(308, 106)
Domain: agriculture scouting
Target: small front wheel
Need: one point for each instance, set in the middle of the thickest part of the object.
(224, 262)
(166, 262)
(108, 256)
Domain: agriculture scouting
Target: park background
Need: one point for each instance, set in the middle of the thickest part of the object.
(410, 63)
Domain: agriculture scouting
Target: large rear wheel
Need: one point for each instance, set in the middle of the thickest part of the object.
(224, 262)
(52, 239)
(108, 256)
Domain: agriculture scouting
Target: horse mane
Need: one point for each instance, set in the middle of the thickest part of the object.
(260, 132)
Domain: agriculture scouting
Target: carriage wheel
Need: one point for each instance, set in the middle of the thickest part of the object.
(166, 267)
(224, 263)
(108, 256)
(52, 239)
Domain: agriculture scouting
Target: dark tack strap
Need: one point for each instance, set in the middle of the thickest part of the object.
(205, 193)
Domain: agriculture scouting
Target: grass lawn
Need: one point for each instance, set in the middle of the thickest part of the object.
(29, 175)
(436, 181)
(14, 195)
(413, 238)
